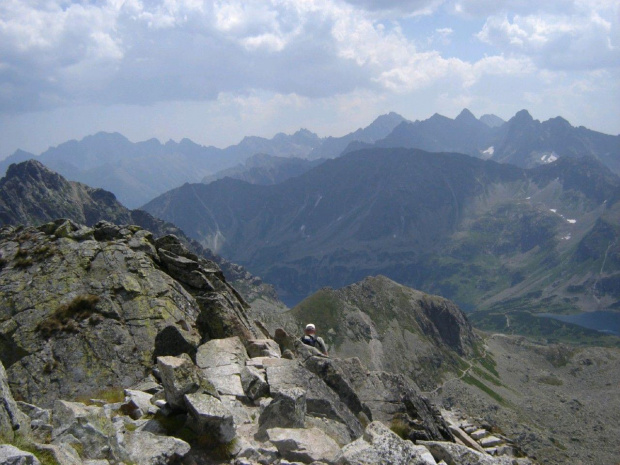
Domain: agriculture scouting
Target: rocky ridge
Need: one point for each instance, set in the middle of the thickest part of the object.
(32, 194)
(94, 311)
(90, 307)
(378, 320)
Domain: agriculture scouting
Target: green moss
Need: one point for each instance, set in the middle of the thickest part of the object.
(26, 445)
(110, 395)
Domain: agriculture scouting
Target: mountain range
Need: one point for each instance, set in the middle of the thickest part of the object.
(138, 172)
(485, 234)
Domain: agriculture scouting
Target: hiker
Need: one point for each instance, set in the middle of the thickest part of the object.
(310, 339)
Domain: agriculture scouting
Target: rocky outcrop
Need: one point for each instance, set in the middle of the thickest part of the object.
(378, 320)
(85, 310)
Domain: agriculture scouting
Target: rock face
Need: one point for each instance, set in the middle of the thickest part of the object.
(12, 420)
(84, 310)
(377, 320)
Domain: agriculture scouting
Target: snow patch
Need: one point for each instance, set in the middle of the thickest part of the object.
(571, 221)
(549, 157)
(553, 210)
(489, 151)
(318, 200)
(566, 238)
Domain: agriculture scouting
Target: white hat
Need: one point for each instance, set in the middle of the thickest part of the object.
(310, 326)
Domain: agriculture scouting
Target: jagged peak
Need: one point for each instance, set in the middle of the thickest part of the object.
(522, 116)
(466, 115)
(29, 168)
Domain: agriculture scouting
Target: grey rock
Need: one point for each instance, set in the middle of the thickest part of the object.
(144, 448)
(334, 429)
(180, 376)
(389, 395)
(455, 454)
(12, 419)
(253, 382)
(222, 361)
(64, 455)
(320, 399)
(491, 441)
(287, 410)
(263, 348)
(479, 434)
(11, 455)
(137, 403)
(221, 352)
(304, 445)
(465, 438)
(380, 445)
(129, 309)
(85, 426)
(210, 416)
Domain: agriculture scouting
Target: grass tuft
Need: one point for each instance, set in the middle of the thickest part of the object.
(66, 318)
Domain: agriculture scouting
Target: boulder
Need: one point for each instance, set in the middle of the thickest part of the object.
(180, 376)
(380, 445)
(137, 404)
(253, 382)
(221, 352)
(210, 417)
(144, 448)
(263, 348)
(287, 410)
(321, 401)
(63, 455)
(86, 428)
(222, 361)
(304, 445)
(11, 455)
(491, 441)
(455, 454)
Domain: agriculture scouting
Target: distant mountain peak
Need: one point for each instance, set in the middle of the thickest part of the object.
(491, 120)
(522, 116)
(466, 115)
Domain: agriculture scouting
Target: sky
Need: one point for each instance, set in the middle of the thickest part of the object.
(216, 71)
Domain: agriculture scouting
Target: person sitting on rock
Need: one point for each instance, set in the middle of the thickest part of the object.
(310, 339)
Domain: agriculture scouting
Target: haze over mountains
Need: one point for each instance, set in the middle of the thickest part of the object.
(479, 232)
(138, 172)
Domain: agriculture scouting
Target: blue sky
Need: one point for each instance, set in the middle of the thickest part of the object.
(217, 71)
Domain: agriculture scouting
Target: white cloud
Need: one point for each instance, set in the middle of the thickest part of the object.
(287, 59)
(556, 42)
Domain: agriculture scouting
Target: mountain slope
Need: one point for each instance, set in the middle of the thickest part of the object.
(474, 231)
(378, 320)
(266, 169)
